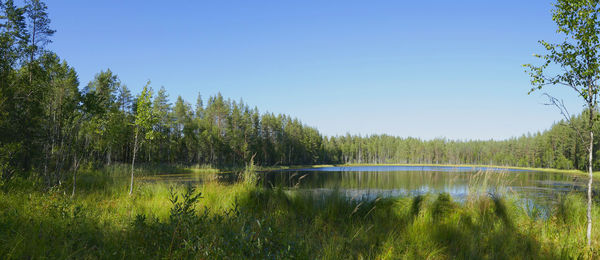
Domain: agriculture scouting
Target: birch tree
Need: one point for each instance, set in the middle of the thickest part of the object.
(143, 124)
(574, 63)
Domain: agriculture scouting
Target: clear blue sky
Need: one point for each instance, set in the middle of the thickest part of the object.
(408, 68)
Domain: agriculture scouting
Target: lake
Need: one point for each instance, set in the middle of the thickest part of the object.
(369, 182)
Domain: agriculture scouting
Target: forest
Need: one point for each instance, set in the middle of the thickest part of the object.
(51, 124)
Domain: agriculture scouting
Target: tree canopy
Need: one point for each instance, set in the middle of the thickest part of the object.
(50, 125)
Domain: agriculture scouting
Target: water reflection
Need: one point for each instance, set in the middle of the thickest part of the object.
(370, 182)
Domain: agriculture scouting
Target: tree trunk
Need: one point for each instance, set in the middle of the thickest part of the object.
(108, 156)
(135, 144)
(33, 49)
(74, 174)
(589, 191)
(46, 175)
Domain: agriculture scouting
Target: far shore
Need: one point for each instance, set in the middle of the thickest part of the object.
(572, 171)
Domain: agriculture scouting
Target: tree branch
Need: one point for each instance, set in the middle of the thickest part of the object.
(560, 104)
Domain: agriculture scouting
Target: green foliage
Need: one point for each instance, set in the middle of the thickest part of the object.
(144, 117)
(241, 221)
(39, 27)
(57, 127)
(442, 206)
(570, 209)
(577, 55)
(8, 153)
(559, 147)
(50, 128)
(574, 63)
(416, 205)
(249, 175)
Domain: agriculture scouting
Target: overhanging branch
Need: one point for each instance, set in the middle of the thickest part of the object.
(560, 104)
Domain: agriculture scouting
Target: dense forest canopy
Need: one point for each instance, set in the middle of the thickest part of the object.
(50, 125)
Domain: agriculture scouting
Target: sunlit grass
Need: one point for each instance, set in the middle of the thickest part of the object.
(245, 221)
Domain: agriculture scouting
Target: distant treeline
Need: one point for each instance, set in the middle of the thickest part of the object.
(560, 147)
(49, 126)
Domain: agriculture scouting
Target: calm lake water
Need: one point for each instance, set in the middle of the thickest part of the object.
(369, 182)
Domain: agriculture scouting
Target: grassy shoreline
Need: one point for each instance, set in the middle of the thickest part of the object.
(245, 221)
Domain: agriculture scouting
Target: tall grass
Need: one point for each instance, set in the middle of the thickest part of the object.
(249, 175)
(242, 221)
(493, 183)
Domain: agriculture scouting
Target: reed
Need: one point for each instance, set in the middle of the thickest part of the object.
(213, 220)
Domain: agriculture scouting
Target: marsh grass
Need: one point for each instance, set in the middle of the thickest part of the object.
(243, 221)
(249, 175)
(490, 183)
